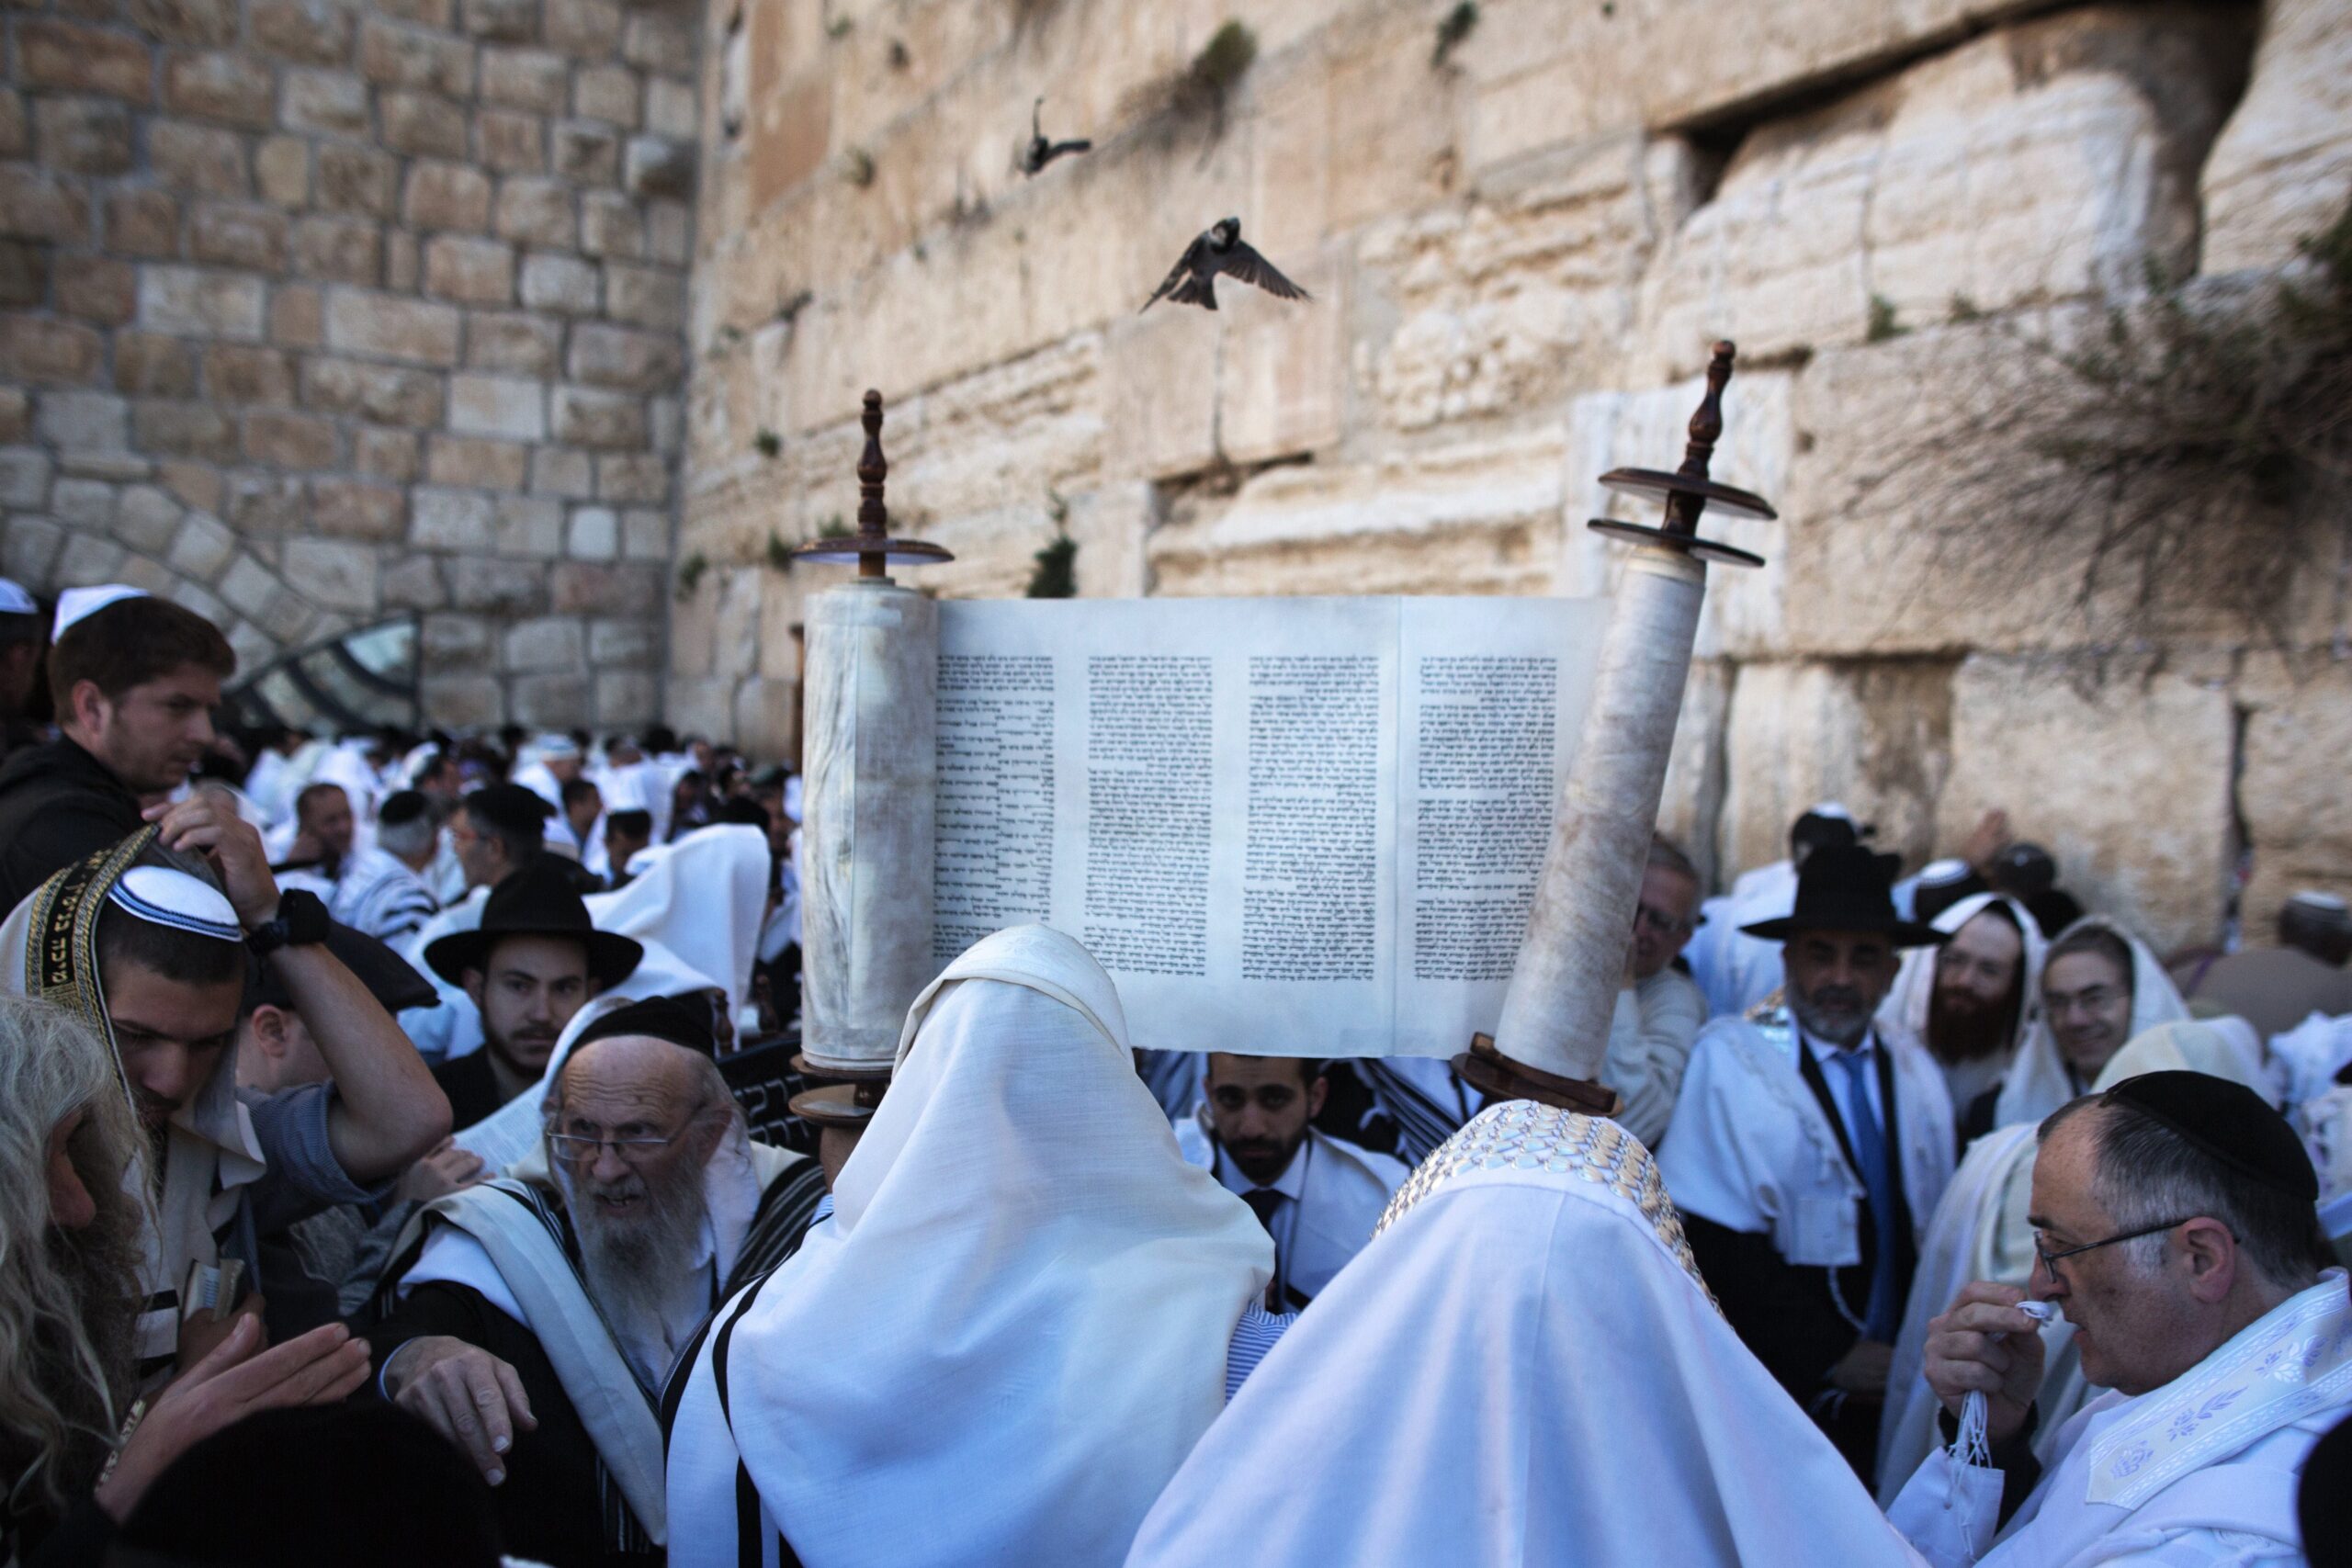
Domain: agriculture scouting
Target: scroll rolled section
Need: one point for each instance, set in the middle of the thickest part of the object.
(871, 765)
(1556, 1014)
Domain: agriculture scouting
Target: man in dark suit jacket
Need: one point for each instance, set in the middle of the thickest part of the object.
(533, 961)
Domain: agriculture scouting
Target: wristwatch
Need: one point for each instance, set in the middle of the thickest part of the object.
(301, 921)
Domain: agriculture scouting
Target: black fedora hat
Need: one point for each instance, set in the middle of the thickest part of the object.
(1843, 888)
(538, 900)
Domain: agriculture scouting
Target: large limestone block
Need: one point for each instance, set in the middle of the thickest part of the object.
(2290, 790)
(1513, 299)
(2123, 772)
(1475, 518)
(2282, 168)
(1162, 373)
(1280, 377)
(2048, 160)
(1744, 614)
(1692, 802)
(1877, 737)
(1008, 437)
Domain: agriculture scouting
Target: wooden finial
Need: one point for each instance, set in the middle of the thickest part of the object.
(1688, 491)
(873, 469)
(871, 547)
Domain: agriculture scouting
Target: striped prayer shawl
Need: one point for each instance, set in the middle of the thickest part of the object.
(1423, 1120)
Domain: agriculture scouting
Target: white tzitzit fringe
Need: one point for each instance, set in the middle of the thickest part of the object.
(1974, 1446)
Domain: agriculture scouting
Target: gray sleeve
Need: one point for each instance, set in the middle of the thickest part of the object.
(304, 1176)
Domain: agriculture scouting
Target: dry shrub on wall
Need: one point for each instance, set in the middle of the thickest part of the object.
(2189, 451)
(1193, 98)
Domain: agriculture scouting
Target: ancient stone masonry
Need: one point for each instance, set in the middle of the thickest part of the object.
(1520, 247)
(318, 312)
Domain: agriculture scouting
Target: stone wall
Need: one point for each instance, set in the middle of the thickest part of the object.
(318, 312)
(1519, 254)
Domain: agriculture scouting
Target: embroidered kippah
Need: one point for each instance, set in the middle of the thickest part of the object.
(2226, 1121)
(162, 897)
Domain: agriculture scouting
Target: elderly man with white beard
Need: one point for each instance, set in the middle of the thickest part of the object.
(533, 1321)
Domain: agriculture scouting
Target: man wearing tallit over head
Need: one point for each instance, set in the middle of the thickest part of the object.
(1980, 1231)
(143, 943)
(1972, 1002)
(2100, 987)
(1014, 1327)
(1556, 1389)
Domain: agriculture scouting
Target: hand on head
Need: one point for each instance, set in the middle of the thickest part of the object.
(206, 825)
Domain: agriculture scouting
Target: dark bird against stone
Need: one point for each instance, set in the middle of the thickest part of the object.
(1040, 152)
(1193, 279)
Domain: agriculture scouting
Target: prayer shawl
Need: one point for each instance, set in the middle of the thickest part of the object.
(49, 945)
(2038, 1082)
(1904, 1015)
(380, 896)
(1753, 1150)
(760, 1200)
(2203, 1470)
(1522, 1369)
(1014, 1327)
(1979, 1232)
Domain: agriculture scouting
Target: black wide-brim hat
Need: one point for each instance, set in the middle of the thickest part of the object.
(538, 900)
(1844, 888)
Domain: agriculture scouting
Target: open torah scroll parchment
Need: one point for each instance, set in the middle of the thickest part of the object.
(1285, 825)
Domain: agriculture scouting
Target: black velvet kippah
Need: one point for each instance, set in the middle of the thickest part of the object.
(508, 807)
(2227, 1121)
(659, 1017)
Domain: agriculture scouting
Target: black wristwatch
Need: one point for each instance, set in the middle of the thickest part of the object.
(301, 922)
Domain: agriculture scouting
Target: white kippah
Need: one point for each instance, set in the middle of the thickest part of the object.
(1832, 810)
(162, 897)
(14, 601)
(1944, 872)
(2327, 903)
(556, 747)
(80, 603)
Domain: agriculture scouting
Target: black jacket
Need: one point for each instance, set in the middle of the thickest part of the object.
(58, 804)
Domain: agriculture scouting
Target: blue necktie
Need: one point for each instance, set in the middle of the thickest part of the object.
(1878, 1181)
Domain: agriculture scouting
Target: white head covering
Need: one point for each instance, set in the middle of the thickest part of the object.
(703, 897)
(1979, 1230)
(1015, 1326)
(2038, 1082)
(1904, 1014)
(14, 601)
(80, 603)
(1521, 1371)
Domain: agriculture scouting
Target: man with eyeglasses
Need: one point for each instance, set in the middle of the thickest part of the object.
(533, 1321)
(2174, 1226)
(1661, 1008)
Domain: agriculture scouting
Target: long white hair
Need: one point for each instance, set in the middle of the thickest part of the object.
(69, 1299)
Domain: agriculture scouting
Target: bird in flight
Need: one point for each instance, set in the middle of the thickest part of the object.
(1192, 281)
(1040, 152)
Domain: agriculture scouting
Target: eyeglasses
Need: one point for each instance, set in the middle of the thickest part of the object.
(580, 1148)
(1659, 922)
(2098, 999)
(2050, 1260)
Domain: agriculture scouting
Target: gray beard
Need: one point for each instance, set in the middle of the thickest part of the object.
(1828, 1030)
(635, 1269)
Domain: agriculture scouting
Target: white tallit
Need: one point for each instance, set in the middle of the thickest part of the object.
(1980, 1232)
(1015, 1326)
(2038, 1082)
(1904, 1014)
(1522, 1370)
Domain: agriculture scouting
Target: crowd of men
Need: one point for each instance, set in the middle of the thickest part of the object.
(362, 1108)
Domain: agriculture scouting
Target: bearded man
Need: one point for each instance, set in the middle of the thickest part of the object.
(533, 1321)
(1971, 1002)
(1808, 1153)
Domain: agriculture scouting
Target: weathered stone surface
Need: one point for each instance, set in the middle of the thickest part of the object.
(98, 291)
(653, 166)
(76, 58)
(588, 28)
(199, 158)
(508, 406)
(333, 102)
(378, 392)
(609, 93)
(417, 58)
(473, 272)
(595, 533)
(237, 374)
(81, 421)
(2282, 169)
(585, 417)
(2123, 772)
(510, 140)
(448, 519)
(587, 153)
(423, 123)
(315, 32)
(331, 574)
(252, 239)
(533, 79)
(562, 284)
(616, 357)
(341, 249)
(282, 171)
(446, 196)
(477, 463)
(82, 135)
(535, 211)
(49, 353)
(357, 180)
(233, 89)
(189, 24)
(549, 643)
(42, 207)
(389, 327)
(509, 341)
(2299, 825)
(347, 509)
